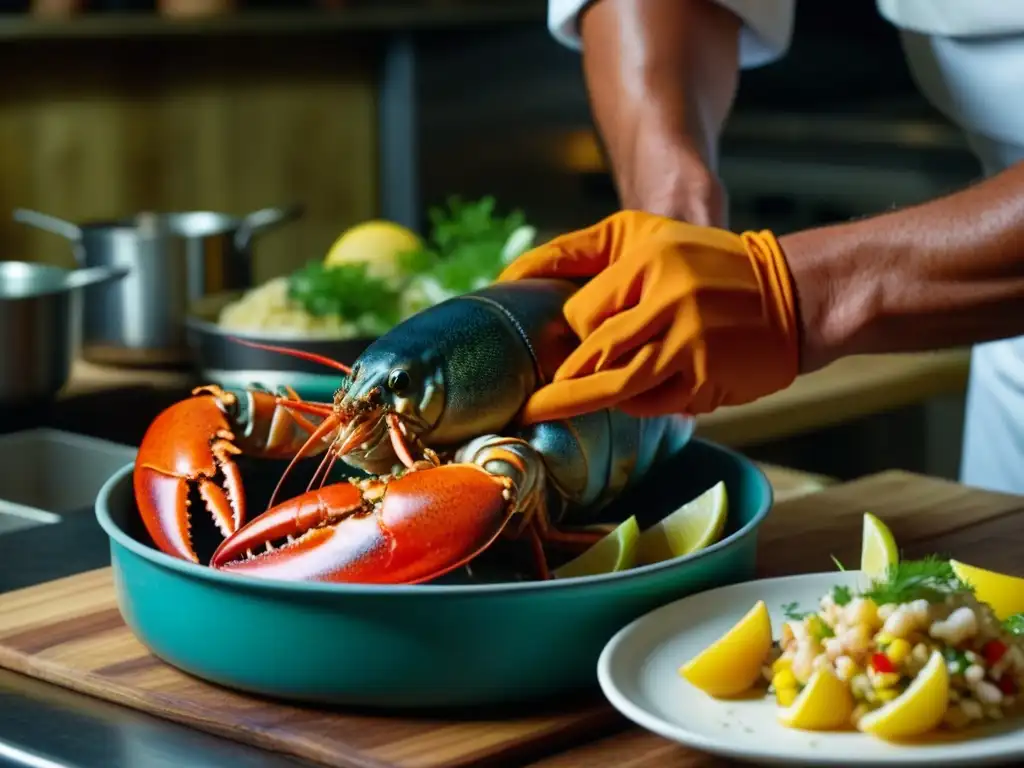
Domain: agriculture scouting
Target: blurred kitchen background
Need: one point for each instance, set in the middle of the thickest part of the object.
(382, 108)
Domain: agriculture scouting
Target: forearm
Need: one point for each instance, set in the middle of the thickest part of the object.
(942, 274)
(662, 76)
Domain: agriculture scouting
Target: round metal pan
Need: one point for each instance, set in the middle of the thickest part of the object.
(221, 360)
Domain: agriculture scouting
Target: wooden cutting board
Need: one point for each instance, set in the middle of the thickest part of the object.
(70, 632)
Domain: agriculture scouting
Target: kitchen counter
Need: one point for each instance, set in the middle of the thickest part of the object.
(43, 726)
(846, 390)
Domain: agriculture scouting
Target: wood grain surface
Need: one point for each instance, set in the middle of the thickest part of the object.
(69, 632)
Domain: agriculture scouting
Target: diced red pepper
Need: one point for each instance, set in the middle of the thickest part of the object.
(1006, 685)
(993, 651)
(880, 663)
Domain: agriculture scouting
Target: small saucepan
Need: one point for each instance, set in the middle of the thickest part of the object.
(40, 320)
(175, 259)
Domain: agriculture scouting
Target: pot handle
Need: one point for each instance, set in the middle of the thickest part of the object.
(52, 224)
(83, 278)
(263, 219)
(48, 223)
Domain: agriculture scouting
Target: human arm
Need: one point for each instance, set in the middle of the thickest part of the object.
(676, 318)
(661, 76)
(949, 272)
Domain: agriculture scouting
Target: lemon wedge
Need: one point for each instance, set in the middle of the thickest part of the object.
(916, 711)
(878, 548)
(694, 526)
(377, 243)
(615, 552)
(825, 704)
(732, 664)
(1004, 593)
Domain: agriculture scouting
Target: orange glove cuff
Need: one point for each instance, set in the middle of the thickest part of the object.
(769, 263)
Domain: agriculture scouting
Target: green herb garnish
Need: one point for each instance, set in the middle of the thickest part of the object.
(1014, 624)
(466, 245)
(466, 250)
(841, 595)
(931, 579)
(820, 630)
(956, 659)
(347, 291)
(839, 565)
(793, 613)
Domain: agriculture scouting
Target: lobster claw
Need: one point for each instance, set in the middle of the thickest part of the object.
(404, 530)
(188, 445)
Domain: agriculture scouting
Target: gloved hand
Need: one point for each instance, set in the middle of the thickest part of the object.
(677, 318)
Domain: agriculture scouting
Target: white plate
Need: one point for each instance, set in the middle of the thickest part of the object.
(638, 672)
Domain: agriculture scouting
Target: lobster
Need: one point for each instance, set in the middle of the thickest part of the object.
(428, 413)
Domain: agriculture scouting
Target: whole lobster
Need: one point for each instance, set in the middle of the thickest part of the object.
(428, 412)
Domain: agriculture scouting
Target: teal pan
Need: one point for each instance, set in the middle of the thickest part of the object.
(420, 646)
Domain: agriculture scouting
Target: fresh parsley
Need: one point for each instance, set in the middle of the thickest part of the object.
(793, 613)
(1015, 624)
(467, 248)
(348, 291)
(931, 579)
(466, 245)
(841, 595)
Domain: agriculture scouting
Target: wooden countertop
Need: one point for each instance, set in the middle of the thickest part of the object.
(846, 390)
(81, 643)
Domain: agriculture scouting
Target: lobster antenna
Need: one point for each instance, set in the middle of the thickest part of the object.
(309, 356)
(325, 427)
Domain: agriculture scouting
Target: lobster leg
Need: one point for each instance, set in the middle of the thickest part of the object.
(516, 459)
(407, 529)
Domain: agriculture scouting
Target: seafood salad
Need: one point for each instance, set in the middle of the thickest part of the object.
(879, 640)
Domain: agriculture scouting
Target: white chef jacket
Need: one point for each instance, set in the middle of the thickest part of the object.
(967, 57)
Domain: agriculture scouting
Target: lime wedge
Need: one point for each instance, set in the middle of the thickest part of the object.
(878, 548)
(615, 552)
(695, 525)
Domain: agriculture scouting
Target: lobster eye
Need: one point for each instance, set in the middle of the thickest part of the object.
(398, 381)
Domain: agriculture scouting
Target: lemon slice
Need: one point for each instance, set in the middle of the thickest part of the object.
(916, 711)
(731, 665)
(1005, 594)
(615, 552)
(825, 704)
(878, 548)
(694, 526)
(377, 243)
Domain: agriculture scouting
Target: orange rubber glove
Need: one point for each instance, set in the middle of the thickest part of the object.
(677, 318)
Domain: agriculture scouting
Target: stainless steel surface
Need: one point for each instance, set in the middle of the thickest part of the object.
(46, 726)
(175, 258)
(42, 726)
(53, 472)
(40, 316)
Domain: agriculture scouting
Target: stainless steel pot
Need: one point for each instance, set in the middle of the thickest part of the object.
(175, 259)
(40, 308)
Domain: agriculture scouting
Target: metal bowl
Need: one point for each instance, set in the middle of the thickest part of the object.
(219, 360)
(40, 317)
(414, 646)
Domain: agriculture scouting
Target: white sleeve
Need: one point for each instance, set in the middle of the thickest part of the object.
(765, 36)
